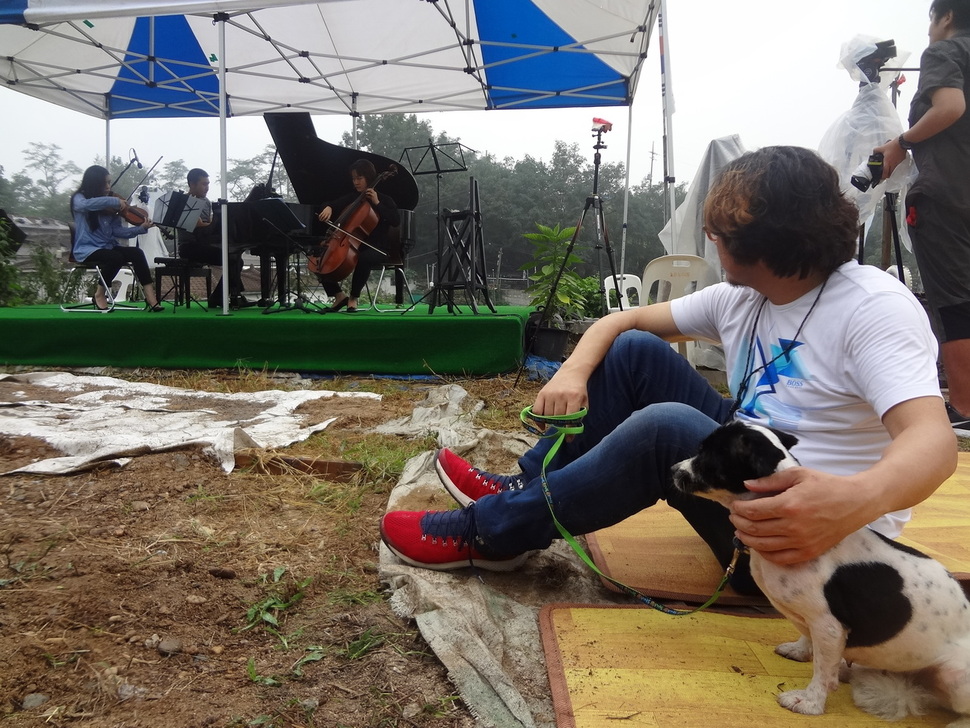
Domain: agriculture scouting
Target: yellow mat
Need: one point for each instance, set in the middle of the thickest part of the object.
(639, 668)
(658, 553)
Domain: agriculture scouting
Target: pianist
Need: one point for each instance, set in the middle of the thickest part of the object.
(371, 254)
(204, 245)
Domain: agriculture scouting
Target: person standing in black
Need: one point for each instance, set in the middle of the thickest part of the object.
(938, 203)
(372, 252)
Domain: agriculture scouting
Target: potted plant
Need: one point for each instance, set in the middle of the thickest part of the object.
(557, 290)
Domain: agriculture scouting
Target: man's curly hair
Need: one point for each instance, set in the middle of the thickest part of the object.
(783, 206)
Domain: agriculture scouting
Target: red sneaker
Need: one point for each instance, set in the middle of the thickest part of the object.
(440, 540)
(467, 484)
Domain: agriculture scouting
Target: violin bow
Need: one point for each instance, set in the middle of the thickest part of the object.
(350, 235)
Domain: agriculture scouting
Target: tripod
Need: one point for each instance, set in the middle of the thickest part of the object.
(595, 203)
(890, 214)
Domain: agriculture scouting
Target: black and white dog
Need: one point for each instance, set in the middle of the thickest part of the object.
(896, 615)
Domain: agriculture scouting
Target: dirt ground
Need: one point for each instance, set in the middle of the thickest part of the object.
(168, 593)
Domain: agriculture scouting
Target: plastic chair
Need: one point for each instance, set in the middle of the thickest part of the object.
(125, 280)
(630, 288)
(672, 276)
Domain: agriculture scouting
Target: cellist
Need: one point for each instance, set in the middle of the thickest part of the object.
(373, 250)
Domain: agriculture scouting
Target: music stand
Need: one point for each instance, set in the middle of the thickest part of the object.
(436, 159)
(177, 210)
(277, 214)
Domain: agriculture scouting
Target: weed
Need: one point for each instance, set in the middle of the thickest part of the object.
(286, 640)
(29, 567)
(203, 496)
(442, 707)
(313, 654)
(260, 679)
(354, 596)
(369, 640)
(384, 457)
(266, 611)
(70, 658)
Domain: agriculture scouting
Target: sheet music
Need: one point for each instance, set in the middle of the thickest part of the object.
(177, 209)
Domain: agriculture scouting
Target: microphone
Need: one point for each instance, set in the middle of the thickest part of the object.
(135, 159)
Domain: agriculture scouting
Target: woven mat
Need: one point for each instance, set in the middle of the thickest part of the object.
(637, 667)
(658, 553)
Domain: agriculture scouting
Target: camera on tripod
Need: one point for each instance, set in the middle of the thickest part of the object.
(868, 174)
(872, 64)
(601, 126)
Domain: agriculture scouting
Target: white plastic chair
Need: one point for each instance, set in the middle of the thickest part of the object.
(125, 280)
(630, 288)
(672, 276)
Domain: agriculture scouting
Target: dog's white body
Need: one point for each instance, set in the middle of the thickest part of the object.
(877, 604)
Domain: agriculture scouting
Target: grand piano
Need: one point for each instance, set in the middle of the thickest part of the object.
(319, 172)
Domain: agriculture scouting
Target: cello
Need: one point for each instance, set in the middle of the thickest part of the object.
(357, 221)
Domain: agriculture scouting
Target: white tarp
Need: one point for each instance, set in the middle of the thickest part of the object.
(104, 419)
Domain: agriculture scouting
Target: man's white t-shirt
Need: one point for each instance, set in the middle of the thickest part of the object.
(865, 347)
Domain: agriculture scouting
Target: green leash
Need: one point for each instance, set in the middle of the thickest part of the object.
(572, 424)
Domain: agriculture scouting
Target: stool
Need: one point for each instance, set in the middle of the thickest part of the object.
(400, 240)
(396, 269)
(182, 271)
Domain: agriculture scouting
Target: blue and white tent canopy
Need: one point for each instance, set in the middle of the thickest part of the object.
(137, 58)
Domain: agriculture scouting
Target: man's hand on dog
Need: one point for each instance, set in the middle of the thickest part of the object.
(801, 520)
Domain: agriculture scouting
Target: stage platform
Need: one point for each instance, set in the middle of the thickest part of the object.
(393, 343)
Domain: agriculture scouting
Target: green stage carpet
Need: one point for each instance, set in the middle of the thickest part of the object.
(415, 342)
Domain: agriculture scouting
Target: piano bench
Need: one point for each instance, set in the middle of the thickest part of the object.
(181, 272)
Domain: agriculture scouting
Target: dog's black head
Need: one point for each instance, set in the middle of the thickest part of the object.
(731, 455)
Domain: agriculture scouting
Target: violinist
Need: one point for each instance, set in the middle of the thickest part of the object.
(373, 249)
(98, 223)
(204, 244)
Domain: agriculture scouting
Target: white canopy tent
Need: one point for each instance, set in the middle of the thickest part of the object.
(141, 59)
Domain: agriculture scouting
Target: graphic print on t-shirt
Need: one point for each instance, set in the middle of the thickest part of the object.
(764, 371)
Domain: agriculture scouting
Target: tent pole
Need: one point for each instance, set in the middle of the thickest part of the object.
(223, 171)
(667, 93)
(353, 122)
(626, 188)
(107, 134)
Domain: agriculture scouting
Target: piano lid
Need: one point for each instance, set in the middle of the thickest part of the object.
(320, 171)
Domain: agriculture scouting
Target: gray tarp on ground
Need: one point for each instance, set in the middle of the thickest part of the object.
(483, 626)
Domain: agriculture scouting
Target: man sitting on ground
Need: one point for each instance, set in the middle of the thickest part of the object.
(840, 355)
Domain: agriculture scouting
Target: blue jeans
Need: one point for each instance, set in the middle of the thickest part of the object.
(648, 409)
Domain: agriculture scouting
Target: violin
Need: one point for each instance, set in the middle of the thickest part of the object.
(131, 214)
(343, 242)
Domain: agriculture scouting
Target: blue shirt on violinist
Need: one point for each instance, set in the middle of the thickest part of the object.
(109, 227)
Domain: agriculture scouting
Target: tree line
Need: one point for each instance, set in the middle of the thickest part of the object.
(514, 194)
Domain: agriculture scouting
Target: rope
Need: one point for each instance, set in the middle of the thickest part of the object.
(572, 424)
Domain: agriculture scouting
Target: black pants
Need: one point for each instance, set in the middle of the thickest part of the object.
(110, 260)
